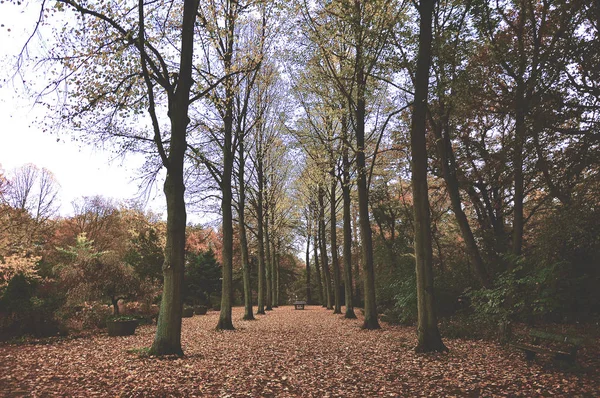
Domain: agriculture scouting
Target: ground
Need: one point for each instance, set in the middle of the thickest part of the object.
(286, 353)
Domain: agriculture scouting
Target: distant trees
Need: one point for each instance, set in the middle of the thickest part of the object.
(202, 278)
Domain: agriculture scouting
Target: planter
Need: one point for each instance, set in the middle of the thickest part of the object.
(200, 310)
(188, 312)
(121, 328)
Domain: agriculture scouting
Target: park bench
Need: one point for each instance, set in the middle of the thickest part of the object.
(560, 346)
(299, 305)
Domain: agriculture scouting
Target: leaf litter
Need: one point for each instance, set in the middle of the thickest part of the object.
(285, 353)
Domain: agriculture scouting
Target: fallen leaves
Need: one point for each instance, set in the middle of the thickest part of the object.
(286, 353)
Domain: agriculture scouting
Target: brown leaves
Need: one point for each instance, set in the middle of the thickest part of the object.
(286, 353)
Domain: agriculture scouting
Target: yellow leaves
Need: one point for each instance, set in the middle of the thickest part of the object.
(18, 264)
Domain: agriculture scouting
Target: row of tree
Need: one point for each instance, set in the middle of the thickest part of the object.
(493, 104)
(489, 109)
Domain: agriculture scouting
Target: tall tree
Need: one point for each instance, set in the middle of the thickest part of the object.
(323, 246)
(131, 67)
(427, 330)
(347, 248)
(333, 238)
(366, 28)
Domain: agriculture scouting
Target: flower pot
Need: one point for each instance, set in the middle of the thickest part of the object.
(121, 328)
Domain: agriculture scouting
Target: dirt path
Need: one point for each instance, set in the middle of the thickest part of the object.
(286, 353)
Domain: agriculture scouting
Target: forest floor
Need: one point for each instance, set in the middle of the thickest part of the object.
(286, 353)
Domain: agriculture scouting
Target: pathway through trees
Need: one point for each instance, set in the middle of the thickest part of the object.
(310, 353)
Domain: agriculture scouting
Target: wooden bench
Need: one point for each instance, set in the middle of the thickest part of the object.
(563, 347)
(299, 305)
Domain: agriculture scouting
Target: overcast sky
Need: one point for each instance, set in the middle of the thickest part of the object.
(80, 171)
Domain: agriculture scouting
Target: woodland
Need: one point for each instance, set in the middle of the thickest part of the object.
(425, 175)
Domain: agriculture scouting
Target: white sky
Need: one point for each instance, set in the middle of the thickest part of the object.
(80, 171)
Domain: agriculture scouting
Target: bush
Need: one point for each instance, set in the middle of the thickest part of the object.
(465, 326)
(94, 316)
(23, 312)
(405, 307)
(200, 310)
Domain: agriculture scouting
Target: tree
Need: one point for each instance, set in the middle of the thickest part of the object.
(129, 67)
(528, 42)
(33, 190)
(89, 274)
(366, 28)
(202, 277)
(427, 330)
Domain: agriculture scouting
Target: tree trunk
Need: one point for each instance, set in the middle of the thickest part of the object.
(446, 155)
(428, 334)
(268, 262)
(115, 304)
(308, 297)
(366, 237)
(167, 340)
(518, 221)
(323, 243)
(260, 232)
(334, 255)
(248, 313)
(277, 259)
(225, 321)
(273, 272)
(347, 249)
(356, 256)
(317, 268)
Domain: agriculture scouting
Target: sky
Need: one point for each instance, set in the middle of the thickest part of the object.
(80, 170)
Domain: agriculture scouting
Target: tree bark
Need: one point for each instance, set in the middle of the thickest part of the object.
(317, 268)
(323, 244)
(446, 155)
(277, 264)
(337, 309)
(248, 312)
(366, 237)
(115, 304)
(273, 271)
(167, 340)
(347, 249)
(356, 256)
(308, 296)
(268, 262)
(518, 221)
(260, 230)
(225, 320)
(427, 331)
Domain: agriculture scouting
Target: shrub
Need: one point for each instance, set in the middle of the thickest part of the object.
(24, 312)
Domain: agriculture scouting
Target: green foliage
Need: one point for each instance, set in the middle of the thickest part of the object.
(406, 299)
(566, 263)
(202, 278)
(92, 275)
(25, 311)
(146, 255)
(123, 318)
(557, 280)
